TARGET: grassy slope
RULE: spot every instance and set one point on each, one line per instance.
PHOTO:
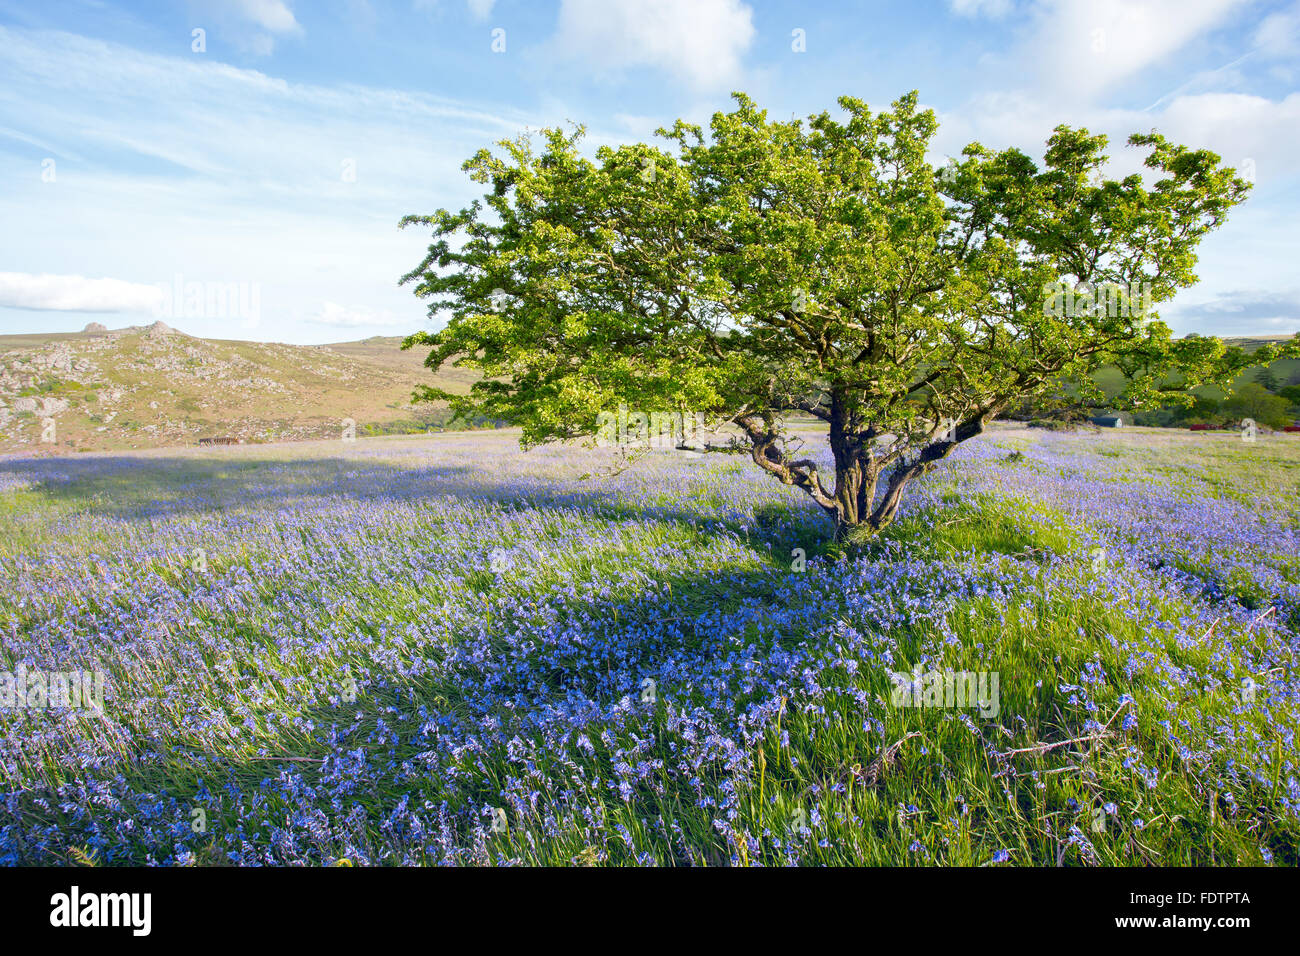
(144, 391)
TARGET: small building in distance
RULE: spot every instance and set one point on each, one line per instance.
(1109, 421)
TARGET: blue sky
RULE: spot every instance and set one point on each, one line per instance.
(274, 162)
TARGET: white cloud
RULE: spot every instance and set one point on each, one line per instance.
(1240, 127)
(342, 317)
(62, 293)
(699, 41)
(273, 15)
(1059, 71)
(993, 9)
(267, 19)
(1081, 48)
(1278, 35)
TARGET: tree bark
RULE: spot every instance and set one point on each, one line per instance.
(857, 476)
(855, 472)
(851, 504)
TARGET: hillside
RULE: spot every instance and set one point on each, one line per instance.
(1287, 370)
(145, 387)
(152, 386)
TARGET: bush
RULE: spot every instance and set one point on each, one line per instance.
(1254, 401)
(1156, 418)
(1203, 410)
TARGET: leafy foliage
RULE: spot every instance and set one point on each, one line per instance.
(822, 267)
(1255, 402)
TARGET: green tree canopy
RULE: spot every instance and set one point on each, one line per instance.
(1257, 403)
(822, 267)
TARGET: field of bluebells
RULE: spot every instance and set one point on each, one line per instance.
(443, 650)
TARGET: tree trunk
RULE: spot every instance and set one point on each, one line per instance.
(883, 515)
(852, 503)
(855, 474)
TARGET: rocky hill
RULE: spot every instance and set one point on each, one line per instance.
(145, 387)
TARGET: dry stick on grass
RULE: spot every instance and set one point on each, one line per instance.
(1045, 773)
(1259, 619)
(1042, 748)
(871, 774)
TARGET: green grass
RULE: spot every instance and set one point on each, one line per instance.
(920, 786)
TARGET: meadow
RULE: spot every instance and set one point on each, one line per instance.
(443, 650)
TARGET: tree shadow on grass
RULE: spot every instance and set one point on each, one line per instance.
(157, 486)
(535, 685)
(650, 635)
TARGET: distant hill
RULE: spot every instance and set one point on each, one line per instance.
(1249, 344)
(1286, 370)
(153, 386)
(145, 387)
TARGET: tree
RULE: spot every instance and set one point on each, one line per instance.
(1267, 378)
(1203, 408)
(1255, 402)
(822, 268)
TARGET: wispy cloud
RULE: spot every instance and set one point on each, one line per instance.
(700, 42)
(994, 9)
(253, 24)
(224, 174)
(1082, 48)
(1243, 311)
(342, 317)
(1278, 34)
(273, 15)
(204, 117)
(62, 293)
